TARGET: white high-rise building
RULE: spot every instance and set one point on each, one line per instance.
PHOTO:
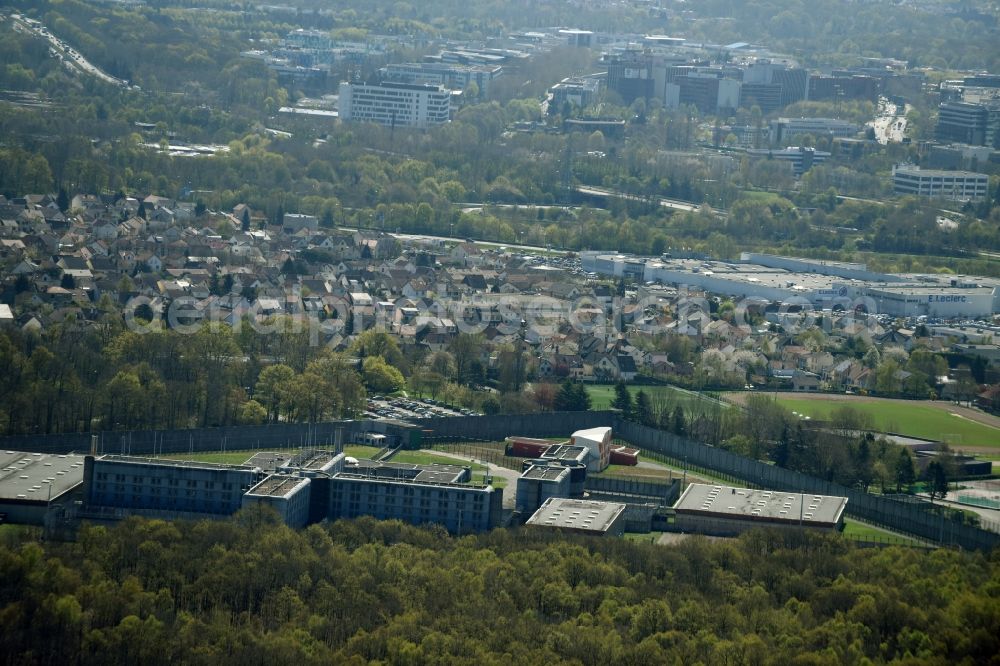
(395, 104)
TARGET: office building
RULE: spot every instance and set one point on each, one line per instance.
(446, 75)
(580, 517)
(848, 86)
(579, 91)
(965, 122)
(579, 38)
(800, 158)
(395, 104)
(725, 510)
(630, 74)
(767, 96)
(784, 130)
(707, 91)
(774, 84)
(955, 185)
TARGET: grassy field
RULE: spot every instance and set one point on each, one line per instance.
(240, 457)
(857, 530)
(601, 396)
(426, 458)
(914, 419)
(356, 451)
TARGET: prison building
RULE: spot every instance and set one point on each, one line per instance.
(169, 486)
(288, 495)
(461, 509)
(580, 517)
(726, 510)
(539, 483)
(32, 484)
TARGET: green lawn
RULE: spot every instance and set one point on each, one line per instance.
(914, 419)
(857, 530)
(240, 457)
(427, 458)
(226, 457)
(601, 396)
(360, 451)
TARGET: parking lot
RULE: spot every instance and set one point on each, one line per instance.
(380, 407)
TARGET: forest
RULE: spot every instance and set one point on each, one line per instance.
(249, 590)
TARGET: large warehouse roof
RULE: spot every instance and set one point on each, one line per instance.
(761, 505)
(574, 514)
(37, 477)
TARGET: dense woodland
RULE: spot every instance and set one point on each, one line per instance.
(251, 591)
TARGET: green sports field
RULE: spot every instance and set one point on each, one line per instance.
(915, 419)
(601, 396)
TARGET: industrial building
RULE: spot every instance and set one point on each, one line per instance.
(954, 185)
(395, 104)
(725, 510)
(580, 517)
(33, 484)
(813, 283)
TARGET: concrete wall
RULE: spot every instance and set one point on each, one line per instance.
(907, 518)
(321, 435)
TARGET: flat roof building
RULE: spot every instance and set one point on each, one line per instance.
(448, 75)
(954, 185)
(395, 104)
(785, 129)
(538, 483)
(801, 158)
(288, 495)
(726, 510)
(169, 487)
(461, 509)
(580, 516)
(32, 482)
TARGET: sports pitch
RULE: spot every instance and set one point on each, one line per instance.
(928, 420)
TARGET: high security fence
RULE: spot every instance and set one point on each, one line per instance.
(905, 518)
(318, 435)
(889, 513)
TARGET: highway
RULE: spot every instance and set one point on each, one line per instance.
(675, 204)
(73, 60)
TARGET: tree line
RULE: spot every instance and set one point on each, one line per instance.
(249, 590)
